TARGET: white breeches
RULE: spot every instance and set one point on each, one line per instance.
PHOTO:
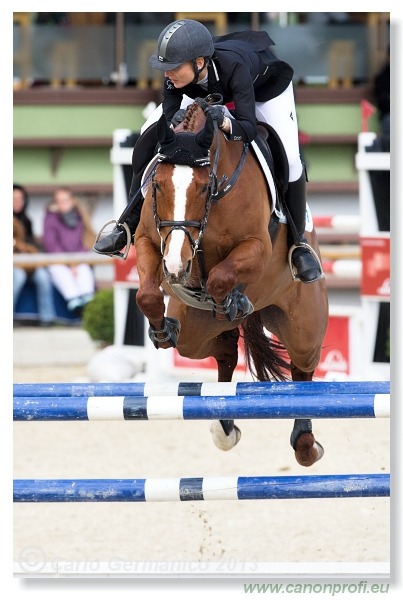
(279, 112)
(281, 115)
(73, 282)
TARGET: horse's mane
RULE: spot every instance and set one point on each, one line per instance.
(190, 117)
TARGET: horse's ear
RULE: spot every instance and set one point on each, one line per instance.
(205, 137)
(165, 134)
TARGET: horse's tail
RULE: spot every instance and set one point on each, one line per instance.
(264, 356)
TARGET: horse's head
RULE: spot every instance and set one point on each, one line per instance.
(181, 195)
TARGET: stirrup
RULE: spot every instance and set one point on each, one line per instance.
(294, 272)
(117, 254)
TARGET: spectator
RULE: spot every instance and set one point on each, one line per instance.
(67, 228)
(382, 96)
(24, 241)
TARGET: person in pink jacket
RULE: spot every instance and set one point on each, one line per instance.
(67, 228)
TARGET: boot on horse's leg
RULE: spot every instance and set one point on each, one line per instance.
(303, 259)
(122, 236)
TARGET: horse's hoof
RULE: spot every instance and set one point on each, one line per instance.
(223, 441)
(307, 450)
(168, 335)
(235, 306)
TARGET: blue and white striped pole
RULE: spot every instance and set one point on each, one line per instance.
(140, 408)
(201, 488)
(201, 388)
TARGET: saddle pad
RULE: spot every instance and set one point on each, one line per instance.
(269, 177)
(276, 208)
(146, 179)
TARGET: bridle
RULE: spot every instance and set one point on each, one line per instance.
(180, 225)
(216, 189)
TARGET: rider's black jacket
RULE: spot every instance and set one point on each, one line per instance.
(243, 70)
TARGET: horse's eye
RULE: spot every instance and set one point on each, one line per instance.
(156, 186)
(204, 188)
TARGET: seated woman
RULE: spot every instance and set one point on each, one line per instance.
(67, 228)
(24, 241)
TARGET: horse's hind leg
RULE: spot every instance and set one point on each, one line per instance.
(225, 433)
(307, 450)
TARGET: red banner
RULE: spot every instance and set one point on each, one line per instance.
(335, 357)
(375, 256)
(126, 270)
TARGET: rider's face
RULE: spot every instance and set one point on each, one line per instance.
(184, 74)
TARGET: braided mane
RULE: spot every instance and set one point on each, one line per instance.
(189, 122)
(190, 117)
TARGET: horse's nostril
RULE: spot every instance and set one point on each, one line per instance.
(176, 272)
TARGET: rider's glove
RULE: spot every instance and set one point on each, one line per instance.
(178, 117)
(217, 114)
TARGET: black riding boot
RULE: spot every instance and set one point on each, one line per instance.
(304, 260)
(115, 241)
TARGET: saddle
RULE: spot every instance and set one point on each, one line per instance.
(269, 151)
(271, 146)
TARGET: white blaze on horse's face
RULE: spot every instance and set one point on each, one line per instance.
(182, 178)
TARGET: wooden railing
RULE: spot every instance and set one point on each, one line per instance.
(44, 259)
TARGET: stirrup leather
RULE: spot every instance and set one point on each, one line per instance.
(125, 227)
(294, 273)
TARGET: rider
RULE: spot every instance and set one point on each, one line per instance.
(242, 68)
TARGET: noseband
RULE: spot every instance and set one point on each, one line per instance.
(180, 225)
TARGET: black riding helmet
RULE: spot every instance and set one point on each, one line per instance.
(180, 42)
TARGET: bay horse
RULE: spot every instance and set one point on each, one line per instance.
(203, 240)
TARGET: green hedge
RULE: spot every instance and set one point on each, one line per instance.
(98, 317)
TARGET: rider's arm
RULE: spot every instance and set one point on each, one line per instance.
(172, 99)
(243, 126)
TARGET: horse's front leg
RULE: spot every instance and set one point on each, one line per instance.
(163, 331)
(225, 433)
(243, 265)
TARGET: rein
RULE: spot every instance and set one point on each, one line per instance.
(215, 191)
